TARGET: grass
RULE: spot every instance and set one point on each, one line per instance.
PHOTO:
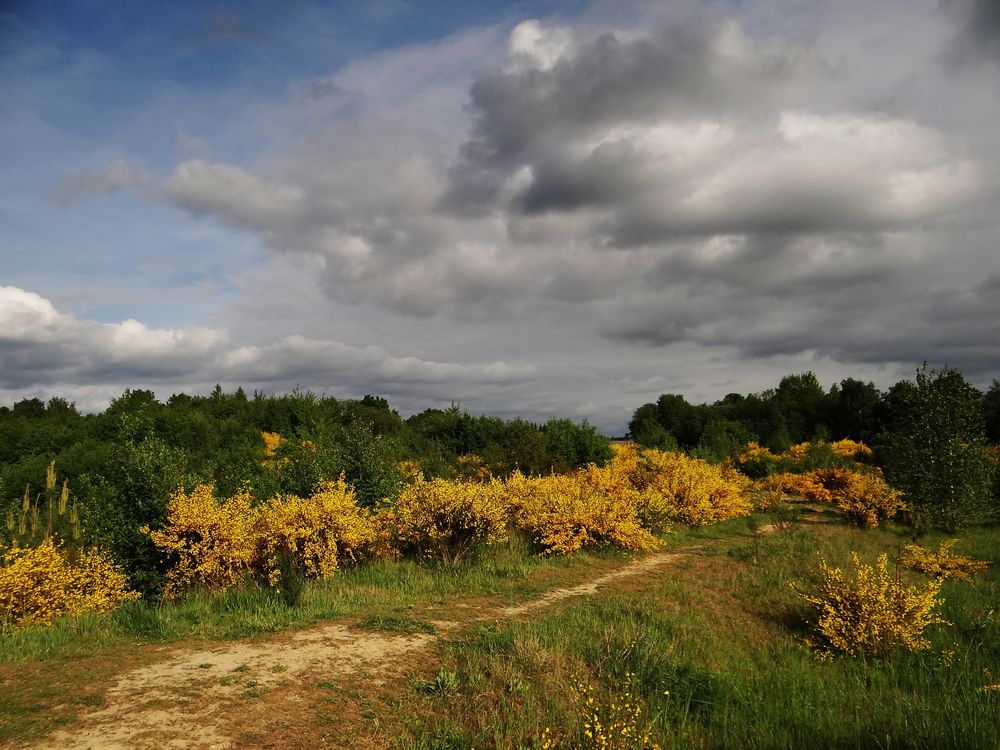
(716, 659)
(80, 655)
(712, 652)
(377, 590)
(397, 624)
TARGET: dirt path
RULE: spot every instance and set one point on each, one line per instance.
(187, 700)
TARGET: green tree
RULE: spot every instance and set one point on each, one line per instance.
(991, 412)
(934, 449)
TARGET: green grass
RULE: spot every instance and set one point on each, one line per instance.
(719, 662)
(378, 589)
(712, 646)
(397, 624)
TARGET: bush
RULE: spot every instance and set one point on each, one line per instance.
(38, 584)
(941, 564)
(447, 520)
(209, 543)
(565, 513)
(317, 535)
(673, 486)
(871, 614)
(865, 499)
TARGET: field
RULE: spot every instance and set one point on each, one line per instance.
(701, 644)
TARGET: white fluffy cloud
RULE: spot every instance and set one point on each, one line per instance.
(41, 345)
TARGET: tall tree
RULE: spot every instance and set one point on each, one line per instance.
(934, 448)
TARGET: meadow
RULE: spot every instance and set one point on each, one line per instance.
(717, 649)
(354, 592)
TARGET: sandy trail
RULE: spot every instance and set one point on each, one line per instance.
(182, 701)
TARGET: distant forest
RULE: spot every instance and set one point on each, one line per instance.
(799, 409)
(124, 463)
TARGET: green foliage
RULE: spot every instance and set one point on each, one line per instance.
(991, 412)
(934, 449)
(576, 444)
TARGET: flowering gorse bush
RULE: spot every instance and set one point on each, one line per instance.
(216, 543)
(758, 462)
(872, 613)
(851, 449)
(446, 520)
(319, 534)
(38, 584)
(211, 543)
(866, 499)
(565, 513)
(676, 487)
(942, 563)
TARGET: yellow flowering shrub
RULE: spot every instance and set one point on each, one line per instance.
(564, 513)
(97, 583)
(767, 492)
(676, 487)
(866, 499)
(796, 452)
(943, 563)
(756, 452)
(851, 449)
(319, 533)
(614, 722)
(472, 468)
(211, 543)
(446, 520)
(872, 613)
(809, 485)
(38, 584)
(410, 469)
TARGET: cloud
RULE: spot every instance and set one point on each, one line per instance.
(235, 195)
(774, 188)
(117, 176)
(979, 35)
(40, 345)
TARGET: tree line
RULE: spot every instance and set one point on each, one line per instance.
(935, 436)
(123, 464)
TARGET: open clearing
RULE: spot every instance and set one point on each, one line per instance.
(255, 692)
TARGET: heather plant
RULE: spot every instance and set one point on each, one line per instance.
(871, 613)
(942, 563)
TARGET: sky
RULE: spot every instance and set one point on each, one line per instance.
(536, 208)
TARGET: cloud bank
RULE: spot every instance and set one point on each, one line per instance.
(573, 214)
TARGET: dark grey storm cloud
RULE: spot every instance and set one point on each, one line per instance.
(980, 32)
(524, 112)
